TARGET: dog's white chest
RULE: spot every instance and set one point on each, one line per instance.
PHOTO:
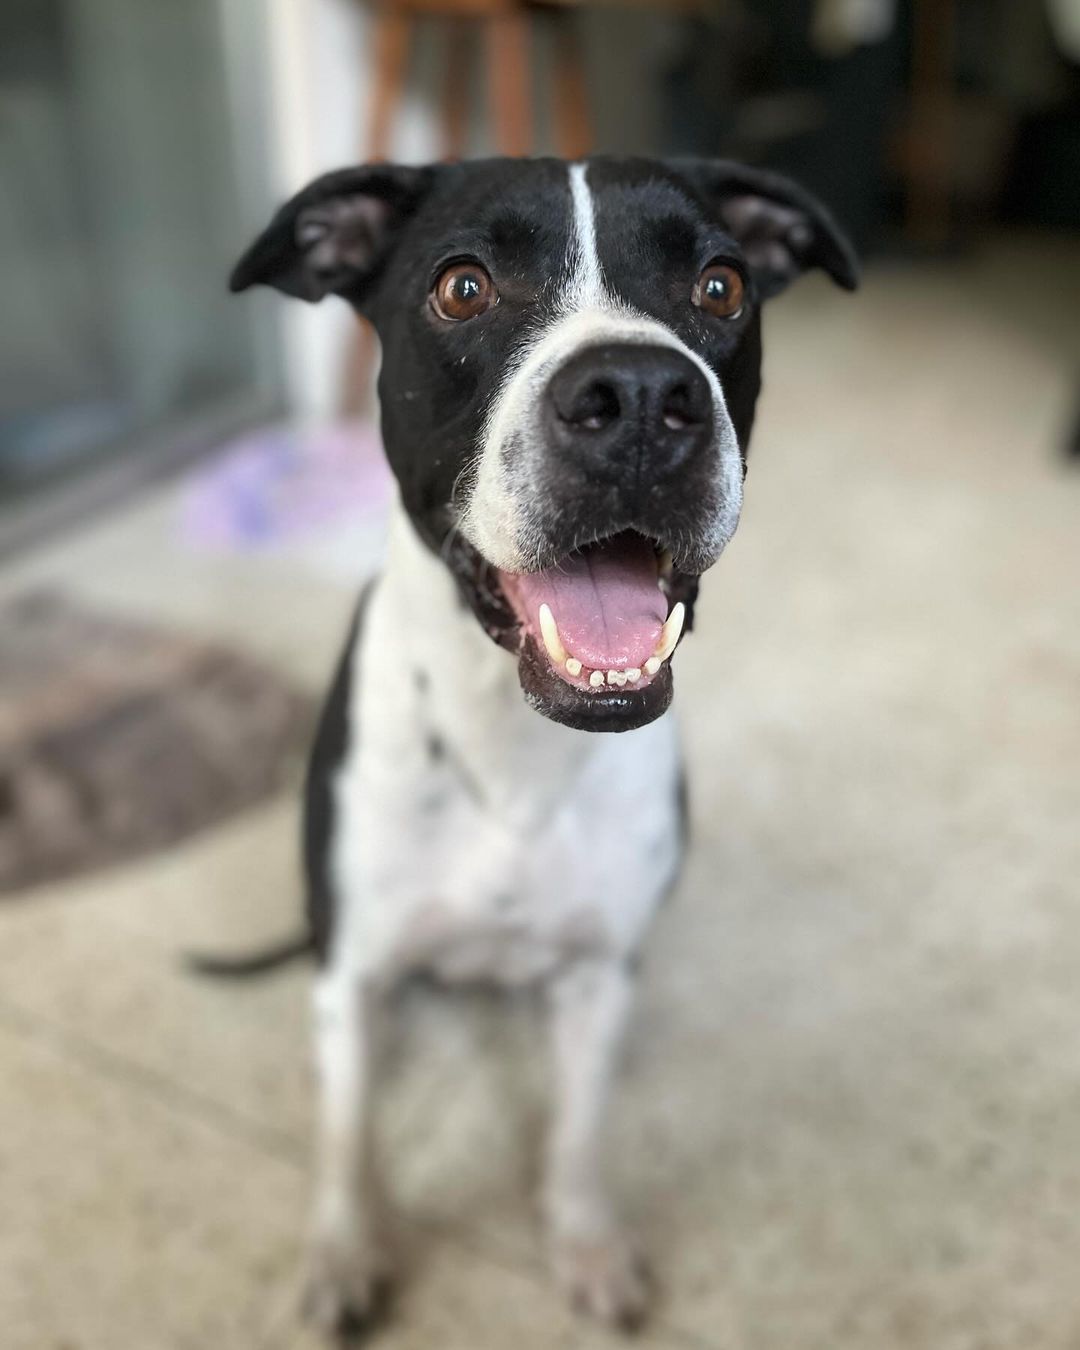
(451, 882)
(473, 838)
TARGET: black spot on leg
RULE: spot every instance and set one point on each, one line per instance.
(355, 1326)
(682, 803)
(441, 751)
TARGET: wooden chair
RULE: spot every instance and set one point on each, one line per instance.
(506, 27)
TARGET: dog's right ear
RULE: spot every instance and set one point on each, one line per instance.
(335, 235)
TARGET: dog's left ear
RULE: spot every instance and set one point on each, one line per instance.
(335, 235)
(780, 227)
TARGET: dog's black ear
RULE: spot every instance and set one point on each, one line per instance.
(782, 229)
(333, 237)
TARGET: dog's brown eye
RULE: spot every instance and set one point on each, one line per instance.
(719, 291)
(463, 291)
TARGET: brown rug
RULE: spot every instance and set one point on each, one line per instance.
(118, 738)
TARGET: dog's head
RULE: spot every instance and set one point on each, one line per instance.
(571, 359)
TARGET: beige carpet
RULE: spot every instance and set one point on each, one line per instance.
(850, 1118)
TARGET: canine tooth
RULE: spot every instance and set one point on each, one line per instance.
(596, 679)
(633, 674)
(652, 665)
(616, 677)
(573, 666)
(669, 634)
(549, 631)
(667, 563)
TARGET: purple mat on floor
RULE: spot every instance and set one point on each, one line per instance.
(285, 484)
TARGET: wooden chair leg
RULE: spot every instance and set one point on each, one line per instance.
(509, 82)
(391, 41)
(357, 379)
(931, 128)
(573, 125)
(456, 87)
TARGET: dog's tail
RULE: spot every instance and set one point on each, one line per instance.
(246, 964)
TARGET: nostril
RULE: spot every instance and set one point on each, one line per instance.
(679, 410)
(629, 402)
(595, 407)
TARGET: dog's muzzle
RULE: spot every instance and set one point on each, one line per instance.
(630, 485)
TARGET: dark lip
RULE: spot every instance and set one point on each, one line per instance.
(604, 710)
(618, 709)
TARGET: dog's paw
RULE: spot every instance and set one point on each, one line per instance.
(606, 1277)
(346, 1288)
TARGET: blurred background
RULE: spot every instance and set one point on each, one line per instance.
(851, 1104)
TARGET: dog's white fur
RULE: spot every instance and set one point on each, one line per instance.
(498, 514)
(521, 851)
(478, 840)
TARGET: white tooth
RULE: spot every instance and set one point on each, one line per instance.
(616, 677)
(573, 666)
(652, 665)
(666, 563)
(669, 634)
(633, 674)
(550, 633)
(596, 679)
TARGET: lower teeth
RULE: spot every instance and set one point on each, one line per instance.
(597, 678)
(669, 637)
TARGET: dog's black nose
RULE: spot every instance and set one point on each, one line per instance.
(629, 409)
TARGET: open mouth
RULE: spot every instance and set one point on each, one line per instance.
(602, 614)
(594, 632)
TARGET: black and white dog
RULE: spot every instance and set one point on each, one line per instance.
(571, 360)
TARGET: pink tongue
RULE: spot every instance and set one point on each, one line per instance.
(606, 601)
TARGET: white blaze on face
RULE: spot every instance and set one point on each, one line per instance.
(586, 288)
(497, 505)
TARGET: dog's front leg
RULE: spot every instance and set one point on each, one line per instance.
(349, 1265)
(592, 1258)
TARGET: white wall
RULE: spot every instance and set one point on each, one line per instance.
(319, 89)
